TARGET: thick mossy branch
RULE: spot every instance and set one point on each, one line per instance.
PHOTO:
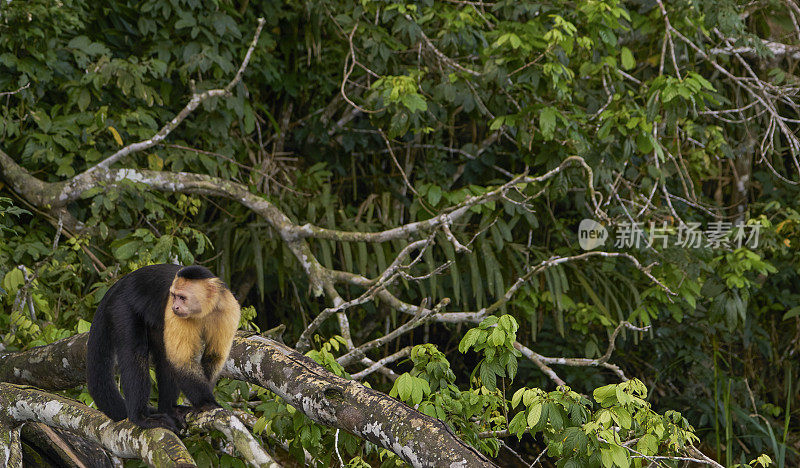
(57, 366)
(330, 400)
(10, 446)
(323, 397)
(158, 447)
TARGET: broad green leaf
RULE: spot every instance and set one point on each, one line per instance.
(13, 280)
(534, 414)
(434, 195)
(605, 393)
(547, 122)
(127, 250)
(628, 61)
(622, 416)
(83, 326)
(517, 398)
(620, 456)
(512, 366)
(517, 425)
(498, 337)
(647, 444)
(488, 377)
(470, 338)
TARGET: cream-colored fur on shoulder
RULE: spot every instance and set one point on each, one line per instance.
(211, 333)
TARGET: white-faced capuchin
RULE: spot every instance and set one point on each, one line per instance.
(184, 319)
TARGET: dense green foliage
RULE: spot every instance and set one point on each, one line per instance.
(457, 97)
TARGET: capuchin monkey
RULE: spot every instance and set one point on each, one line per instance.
(184, 319)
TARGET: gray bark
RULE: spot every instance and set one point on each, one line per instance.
(420, 440)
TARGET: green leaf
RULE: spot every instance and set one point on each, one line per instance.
(606, 456)
(414, 102)
(488, 322)
(260, 425)
(470, 338)
(512, 366)
(703, 82)
(528, 397)
(434, 195)
(622, 397)
(534, 414)
(127, 250)
(496, 123)
(555, 416)
(508, 323)
(83, 44)
(763, 460)
(647, 444)
(605, 395)
(84, 99)
(498, 337)
(628, 61)
(575, 441)
(517, 425)
(13, 280)
(547, 122)
(488, 377)
(620, 456)
(792, 313)
(42, 120)
(669, 92)
(249, 119)
(416, 394)
(186, 21)
(83, 326)
(404, 386)
(515, 400)
(622, 416)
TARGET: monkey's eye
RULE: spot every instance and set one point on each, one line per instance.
(183, 298)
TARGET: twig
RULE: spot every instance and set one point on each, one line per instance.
(536, 358)
(193, 103)
(8, 93)
(422, 316)
(454, 212)
(400, 168)
(382, 363)
(386, 278)
(346, 72)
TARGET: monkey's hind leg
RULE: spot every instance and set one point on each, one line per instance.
(100, 371)
(135, 380)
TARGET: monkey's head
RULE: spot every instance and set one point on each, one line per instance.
(194, 292)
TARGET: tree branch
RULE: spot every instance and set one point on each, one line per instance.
(323, 397)
(162, 134)
(236, 432)
(158, 447)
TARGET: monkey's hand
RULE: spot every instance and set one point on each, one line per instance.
(182, 410)
(180, 413)
(208, 406)
(162, 420)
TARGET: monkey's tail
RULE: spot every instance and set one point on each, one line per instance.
(100, 352)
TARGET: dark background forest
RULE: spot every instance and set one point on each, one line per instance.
(420, 170)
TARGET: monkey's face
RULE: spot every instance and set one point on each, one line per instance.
(186, 300)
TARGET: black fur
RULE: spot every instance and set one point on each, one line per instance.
(129, 326)
(195, 272)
